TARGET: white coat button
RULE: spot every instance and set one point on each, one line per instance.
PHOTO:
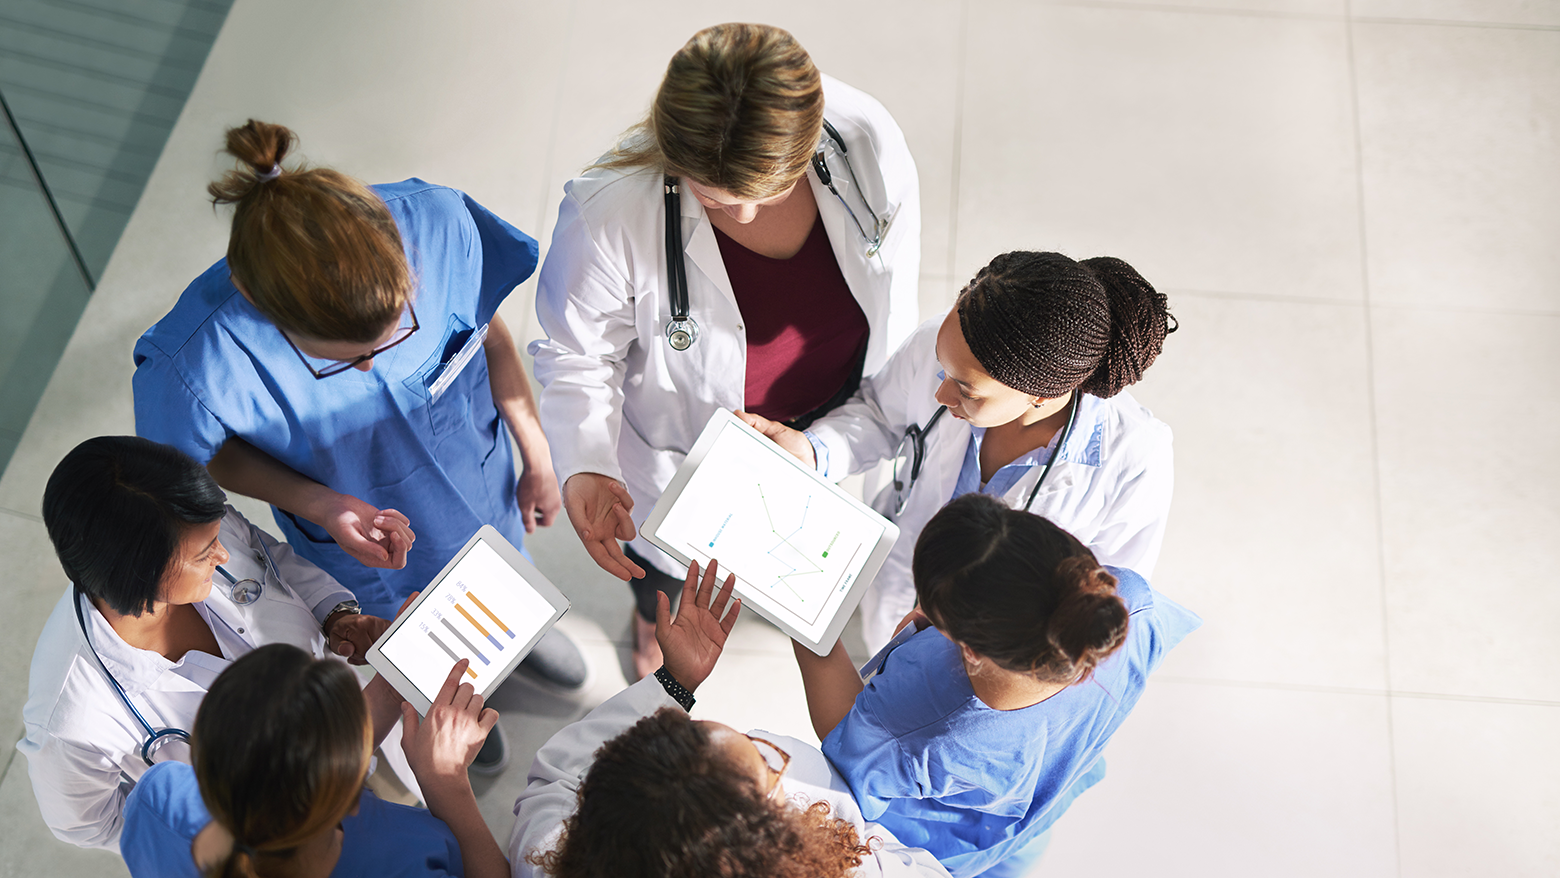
(739, 327)
(240, 631)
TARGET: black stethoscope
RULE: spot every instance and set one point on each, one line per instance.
(682, 330)
(241, 591)
(913, 446)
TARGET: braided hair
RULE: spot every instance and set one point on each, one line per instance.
(1047, 325)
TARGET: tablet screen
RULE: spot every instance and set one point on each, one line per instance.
(482, 609)
(795, 545)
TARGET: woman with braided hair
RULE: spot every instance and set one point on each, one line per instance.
(1027, 648)
(1018, 393)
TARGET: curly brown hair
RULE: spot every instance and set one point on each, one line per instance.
(660, 801)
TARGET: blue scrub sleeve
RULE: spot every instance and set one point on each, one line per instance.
(167, 411)
(509, 256)
(872, 761)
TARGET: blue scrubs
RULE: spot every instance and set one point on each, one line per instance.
(943, 771)
(382, 840)
(215, 368)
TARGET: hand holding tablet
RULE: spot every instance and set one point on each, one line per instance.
(489, 605)
(803, 551)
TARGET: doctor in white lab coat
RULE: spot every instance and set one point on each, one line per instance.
(620, 404)
(1065, 338)
(83, 744)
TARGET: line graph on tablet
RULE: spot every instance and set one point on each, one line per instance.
(789, 541)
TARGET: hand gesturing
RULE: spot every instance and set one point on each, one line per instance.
(693, 642)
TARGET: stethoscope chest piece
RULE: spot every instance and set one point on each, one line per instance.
(242, 591)
(681, 333)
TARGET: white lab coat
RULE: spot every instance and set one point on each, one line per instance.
(616, 399)
(83, 745)
(1110, 487)
(562, 763)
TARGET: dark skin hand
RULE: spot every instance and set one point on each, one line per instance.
(351, 635)
(692, 642)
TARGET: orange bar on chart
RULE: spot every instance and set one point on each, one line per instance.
(496, 621)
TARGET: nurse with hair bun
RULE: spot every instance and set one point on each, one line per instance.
(1018, 392)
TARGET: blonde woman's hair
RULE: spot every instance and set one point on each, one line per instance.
(740, 109)
(316, 250)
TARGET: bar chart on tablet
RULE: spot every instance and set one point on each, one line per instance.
(480, 611)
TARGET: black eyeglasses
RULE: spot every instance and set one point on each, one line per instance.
(401, 334)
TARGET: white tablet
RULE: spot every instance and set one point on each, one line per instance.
(803, 550)
(489, 605)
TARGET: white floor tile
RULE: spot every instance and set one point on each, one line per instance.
(1213, 152)
(1542, 13)
(30, 849)
(1215, 780)
(1476, 788)
(35, 583)
(1272, 533)
(1462, 190)
(1469, 480)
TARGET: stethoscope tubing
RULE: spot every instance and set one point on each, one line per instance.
(682, 330)
(153, 736)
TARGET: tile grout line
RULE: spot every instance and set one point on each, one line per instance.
(1231, 12)
(552, 136)
(1235, 295)
(20, 514)
(1350, 690)
(962, 59)
(1375, 432)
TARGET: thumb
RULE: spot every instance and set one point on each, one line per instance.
(344, 648)
(409, 723)
(663, 614)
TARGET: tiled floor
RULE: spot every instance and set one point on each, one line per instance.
(1355, 217)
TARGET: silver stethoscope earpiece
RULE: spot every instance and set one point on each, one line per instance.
(682, 330)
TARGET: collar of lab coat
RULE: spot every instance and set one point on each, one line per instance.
(138, 670)
(703, 251)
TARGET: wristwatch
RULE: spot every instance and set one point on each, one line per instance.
(351, 607)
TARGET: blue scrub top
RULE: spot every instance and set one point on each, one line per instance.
(941, 770)
(215, 368)
(165, 811)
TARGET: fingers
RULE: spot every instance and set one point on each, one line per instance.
(723, 596)
(609, 557)
(663, 617)
(409, 725)
(526, 519)
(451, 683)
(689, 596)
(624, 524)
(344, 648)
(705, 594)
(399, 546)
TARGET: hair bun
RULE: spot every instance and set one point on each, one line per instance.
(1091, 621)
(261, 146)
(1139, 321)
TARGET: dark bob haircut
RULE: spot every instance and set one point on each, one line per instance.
(117, 508)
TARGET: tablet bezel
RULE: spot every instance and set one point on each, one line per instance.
(528, 572)
(718, 423)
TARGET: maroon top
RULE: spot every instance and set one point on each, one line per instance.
(804, 328)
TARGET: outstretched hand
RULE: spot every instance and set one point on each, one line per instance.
(692, 643)
(598, 507)
(376, 537)
(783, 436)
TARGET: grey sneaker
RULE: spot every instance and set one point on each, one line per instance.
(494, 755)
(556, 664)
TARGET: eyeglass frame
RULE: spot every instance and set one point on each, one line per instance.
(340, 366)
(785, 762)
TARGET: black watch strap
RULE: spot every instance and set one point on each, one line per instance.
(679, 693)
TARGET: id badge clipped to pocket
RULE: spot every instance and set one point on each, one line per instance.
(457, 363)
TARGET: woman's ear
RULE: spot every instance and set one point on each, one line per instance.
(972, 659)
